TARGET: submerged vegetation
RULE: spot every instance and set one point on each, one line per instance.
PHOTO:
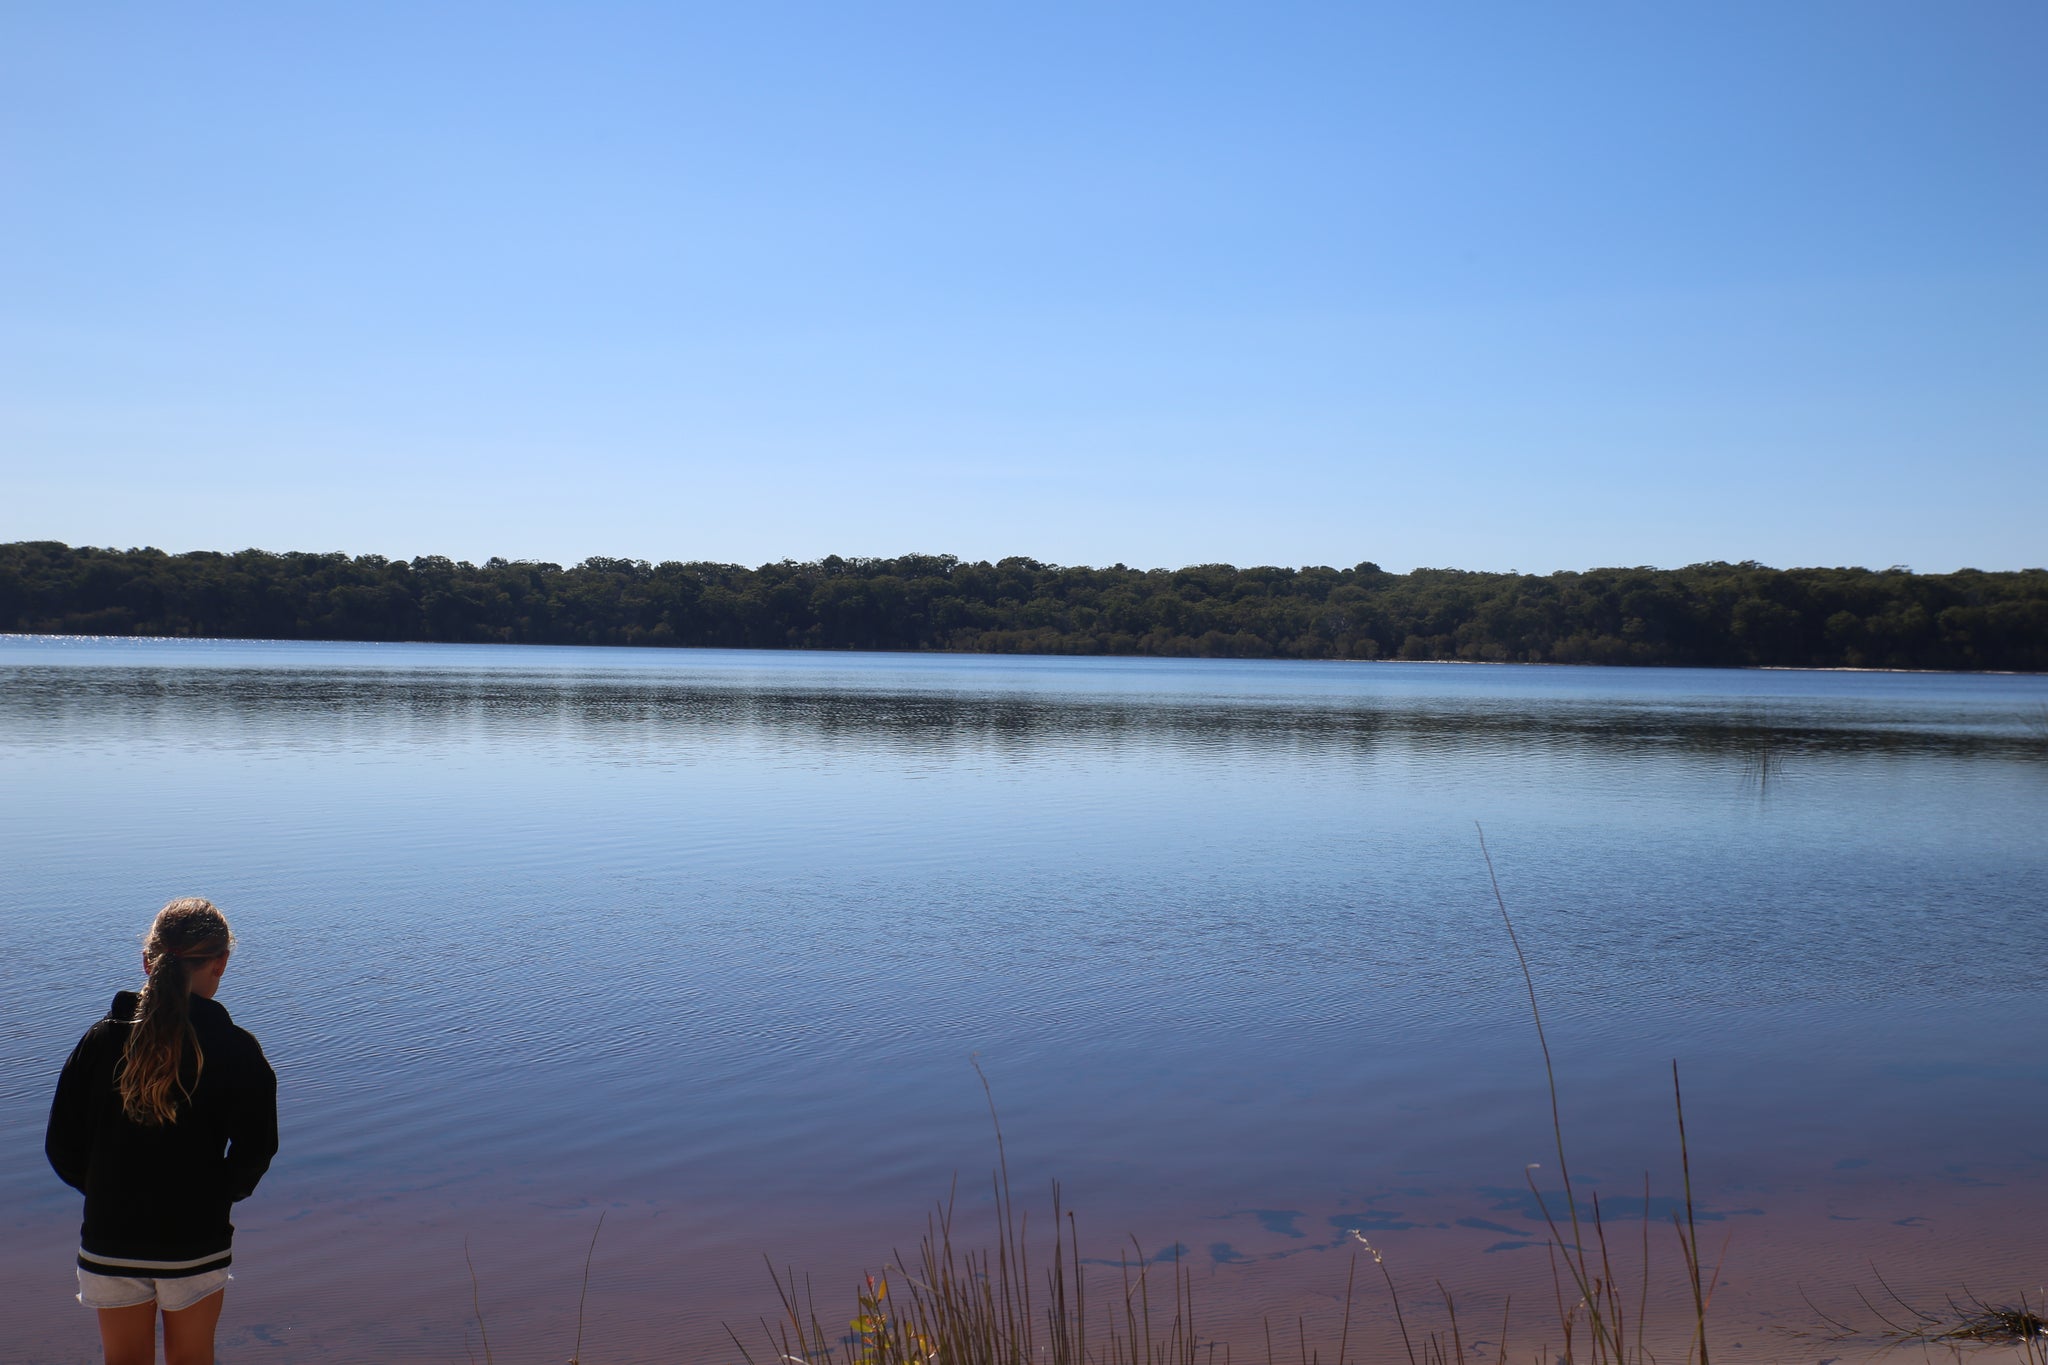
(1711, 615)
(1959, 1320)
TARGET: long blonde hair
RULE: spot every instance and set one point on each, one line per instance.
(187, 932)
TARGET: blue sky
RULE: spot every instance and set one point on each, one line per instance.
(1489, 286)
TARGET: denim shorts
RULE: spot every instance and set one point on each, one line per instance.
(172, 1295)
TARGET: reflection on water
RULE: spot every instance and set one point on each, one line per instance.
(270, 708)
(2034, 724)
(707, 939)
(1763, 762)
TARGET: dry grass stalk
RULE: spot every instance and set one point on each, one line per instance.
(1598, 1296)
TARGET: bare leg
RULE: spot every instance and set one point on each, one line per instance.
(128, 1335)
(188, 1333)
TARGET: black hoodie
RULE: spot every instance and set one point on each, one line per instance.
(157, 1195)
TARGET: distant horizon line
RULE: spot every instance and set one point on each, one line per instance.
(952, 559)
(299, 642)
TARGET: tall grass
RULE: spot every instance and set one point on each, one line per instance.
(966, 1307)
(1600, 1305)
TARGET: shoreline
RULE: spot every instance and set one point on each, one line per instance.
(101, 638)
(1711, 614)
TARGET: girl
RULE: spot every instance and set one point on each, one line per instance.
(165, 1114)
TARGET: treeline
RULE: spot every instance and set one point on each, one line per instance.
(1713, 614)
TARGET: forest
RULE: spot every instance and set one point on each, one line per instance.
(1712, 614)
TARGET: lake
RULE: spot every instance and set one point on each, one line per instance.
(711, 942)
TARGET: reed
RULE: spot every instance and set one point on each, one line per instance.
(1599, 1305)
(986, 1307)
(476, 1301)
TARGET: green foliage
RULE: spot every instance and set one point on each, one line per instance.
(1715, 615)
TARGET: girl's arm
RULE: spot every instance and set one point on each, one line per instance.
(68, 1140)
(252, 1138)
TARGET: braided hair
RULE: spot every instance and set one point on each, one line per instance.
(186, 933)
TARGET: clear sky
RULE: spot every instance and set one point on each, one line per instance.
(1498, 286)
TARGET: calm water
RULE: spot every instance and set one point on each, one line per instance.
(708, 941)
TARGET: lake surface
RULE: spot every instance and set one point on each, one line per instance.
(710, 942)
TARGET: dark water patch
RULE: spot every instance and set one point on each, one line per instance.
(1532, 1206)
(1484, 1226)
(1137, 1260)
